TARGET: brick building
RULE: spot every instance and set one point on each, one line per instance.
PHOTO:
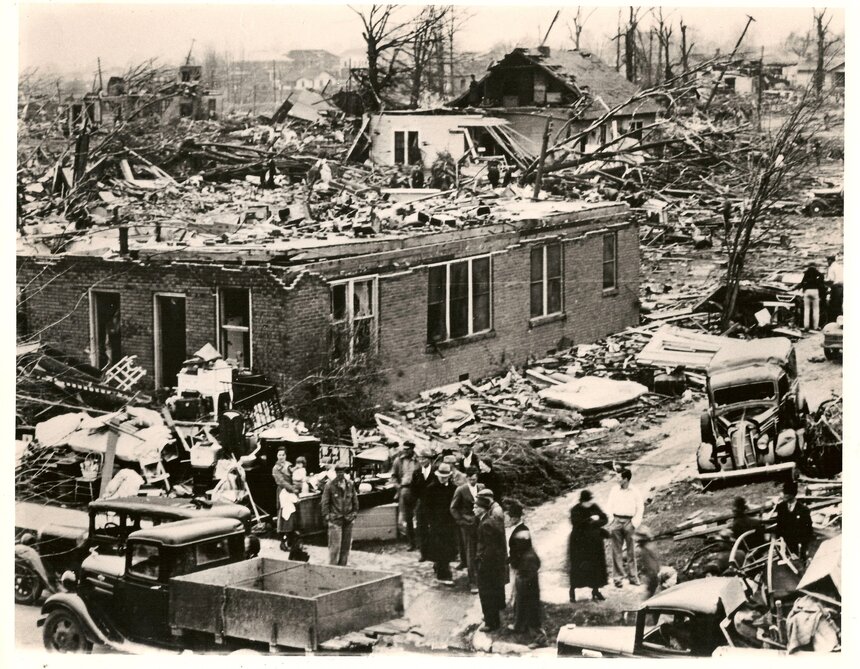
(438, 306)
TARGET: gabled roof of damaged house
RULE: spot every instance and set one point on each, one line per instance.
(580, 72)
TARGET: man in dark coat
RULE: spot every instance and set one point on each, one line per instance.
(462, 510)
(525, 563)
(586, 558)
(793, 522)
(443, 532)
(421, 478)
(492, 559)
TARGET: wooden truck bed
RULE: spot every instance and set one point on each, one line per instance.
(283, 603)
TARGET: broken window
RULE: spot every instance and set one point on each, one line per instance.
(545, 280)
(602, 135)
(636, 129)
(235, 326)
(610, 261)
(353, 317)
(406, 149)
(458, 299)
(105, 329)
(22, 329)
(186, 109)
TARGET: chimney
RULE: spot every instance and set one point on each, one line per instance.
(543, 51)
(123, 233)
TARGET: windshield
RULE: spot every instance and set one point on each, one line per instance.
(750, 392)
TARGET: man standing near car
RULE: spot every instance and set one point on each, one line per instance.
(625, 509)
(793, 522)
(833, 279)
(339, 509)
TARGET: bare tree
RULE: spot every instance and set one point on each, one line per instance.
(578, 24)
(664, 35)
(685, 49)
(774, 162)
(822, 48)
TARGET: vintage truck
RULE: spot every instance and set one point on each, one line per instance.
(832, 344)
(43, 556)
(186, 585)
(683, 621)
(756, 416)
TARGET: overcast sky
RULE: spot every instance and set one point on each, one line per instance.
(64, 37)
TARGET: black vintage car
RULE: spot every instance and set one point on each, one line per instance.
(122, 599)
(40, 560)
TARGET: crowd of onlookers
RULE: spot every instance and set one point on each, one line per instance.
(451, 508)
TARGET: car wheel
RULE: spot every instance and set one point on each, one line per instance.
(831, 354)
(816, 209)
(63, 633)
(28, 585)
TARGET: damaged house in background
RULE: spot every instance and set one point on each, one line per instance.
(573, 88)
(420, 136)
(448, 292)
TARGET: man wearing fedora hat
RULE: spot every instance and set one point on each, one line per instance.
(491, 559)
(339, 509)
(442, 540)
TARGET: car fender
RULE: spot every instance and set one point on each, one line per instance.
(72, 602)
(30, 557)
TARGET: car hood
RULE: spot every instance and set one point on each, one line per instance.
(609, 639)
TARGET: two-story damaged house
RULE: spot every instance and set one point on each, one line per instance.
(440, 302)
(528, 86)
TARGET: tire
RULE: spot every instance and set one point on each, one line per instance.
(28, 585)
(64, 633)
(817, 209)
(832, 354)
(707, 429)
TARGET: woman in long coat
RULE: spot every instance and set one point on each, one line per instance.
(586, 557)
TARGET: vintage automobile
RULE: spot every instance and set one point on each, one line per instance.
(824, 202)
(833, 339)
(187, 585)
(683, 621)
(756, 416)
(41, 559)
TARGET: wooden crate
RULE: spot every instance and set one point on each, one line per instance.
(283, 603)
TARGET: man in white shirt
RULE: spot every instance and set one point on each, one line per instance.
(625, 509)
(833, 279)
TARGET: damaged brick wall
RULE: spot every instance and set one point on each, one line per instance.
(290, 316)
(589, 314)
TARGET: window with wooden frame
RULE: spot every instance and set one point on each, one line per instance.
(545, 282)
(610, 261)
(406, 150)
(234, 315)
(459, 299)
(353, 316)
(636, 129)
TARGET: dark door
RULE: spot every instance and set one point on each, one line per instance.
(107, 330)
(142, 597)
(170, 337)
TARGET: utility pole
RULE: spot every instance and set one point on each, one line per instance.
(101, 85)
(760, 92)
(750, 19)
(543, 148)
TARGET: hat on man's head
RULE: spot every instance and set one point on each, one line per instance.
(790, 488)
(443, 471)
(341, 467)
(409, 444)
(484, 498)
(643, 534)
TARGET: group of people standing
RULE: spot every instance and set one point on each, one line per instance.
(821, 294)
(451, 508)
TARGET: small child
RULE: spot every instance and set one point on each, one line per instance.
(300, 474)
